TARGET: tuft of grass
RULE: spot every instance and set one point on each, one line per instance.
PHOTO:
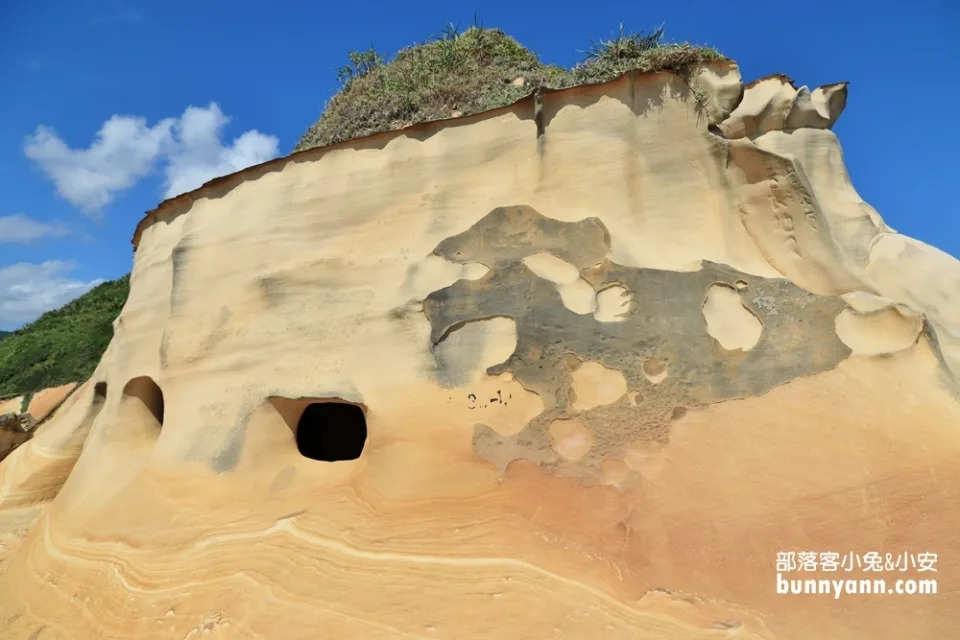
(361, 63)
(64, 345)
(608, 59)
(25, 402)
(459, 73)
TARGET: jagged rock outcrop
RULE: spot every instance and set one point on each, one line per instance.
(22, 422)
(15, 429)
(577, 367)
(775, 104)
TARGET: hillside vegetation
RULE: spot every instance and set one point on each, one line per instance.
(64, 345)
(479, 69)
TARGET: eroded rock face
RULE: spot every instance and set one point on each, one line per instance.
(579, 367)
(661, 323)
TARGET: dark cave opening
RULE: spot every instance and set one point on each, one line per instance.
(332, 431)
(146, 391)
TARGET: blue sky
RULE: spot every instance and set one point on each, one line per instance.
(110, 105)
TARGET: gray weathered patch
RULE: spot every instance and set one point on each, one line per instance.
(178, 258)
(226, 458)
(509, 234)
(663, 324)
(273, 289)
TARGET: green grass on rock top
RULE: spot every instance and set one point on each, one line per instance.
(459, 74)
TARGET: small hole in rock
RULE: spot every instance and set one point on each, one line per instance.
(332, 431)
(100, 391)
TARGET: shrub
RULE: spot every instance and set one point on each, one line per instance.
(608, 59)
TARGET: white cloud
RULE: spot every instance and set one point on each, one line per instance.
(20, 228)
(126, 150)
(199, 156)
(27, 290)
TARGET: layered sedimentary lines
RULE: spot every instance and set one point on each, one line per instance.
(582, 371)
(786, 332)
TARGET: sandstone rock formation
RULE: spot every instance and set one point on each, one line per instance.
(16, 427)
(578, 367)
(45, 401)
(11, 405)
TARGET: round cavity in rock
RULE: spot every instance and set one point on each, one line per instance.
(570, 438)
(728, 321)
(613, 304)
(147, 395)
(879, 332)
(578, 296)
(473, 271)
(576, 293)
(741, 284)
(550, 267)
(140, 417)
(655, 370)
(678, 412)
(332, 431)
(596, 385)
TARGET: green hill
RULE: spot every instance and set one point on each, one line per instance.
(64, 345)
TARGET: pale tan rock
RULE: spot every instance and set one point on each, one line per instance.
(576, 293)
(655, 370)
(924, 278)
(774, 103)
(19, 425)
(11, 405)
(389, 277)
(719, 89)
(818, 109)
(35, 472)
(878, 332)
(43, 402)
(571, 439)
(613, 304)
(730, 323)
(595, 385)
